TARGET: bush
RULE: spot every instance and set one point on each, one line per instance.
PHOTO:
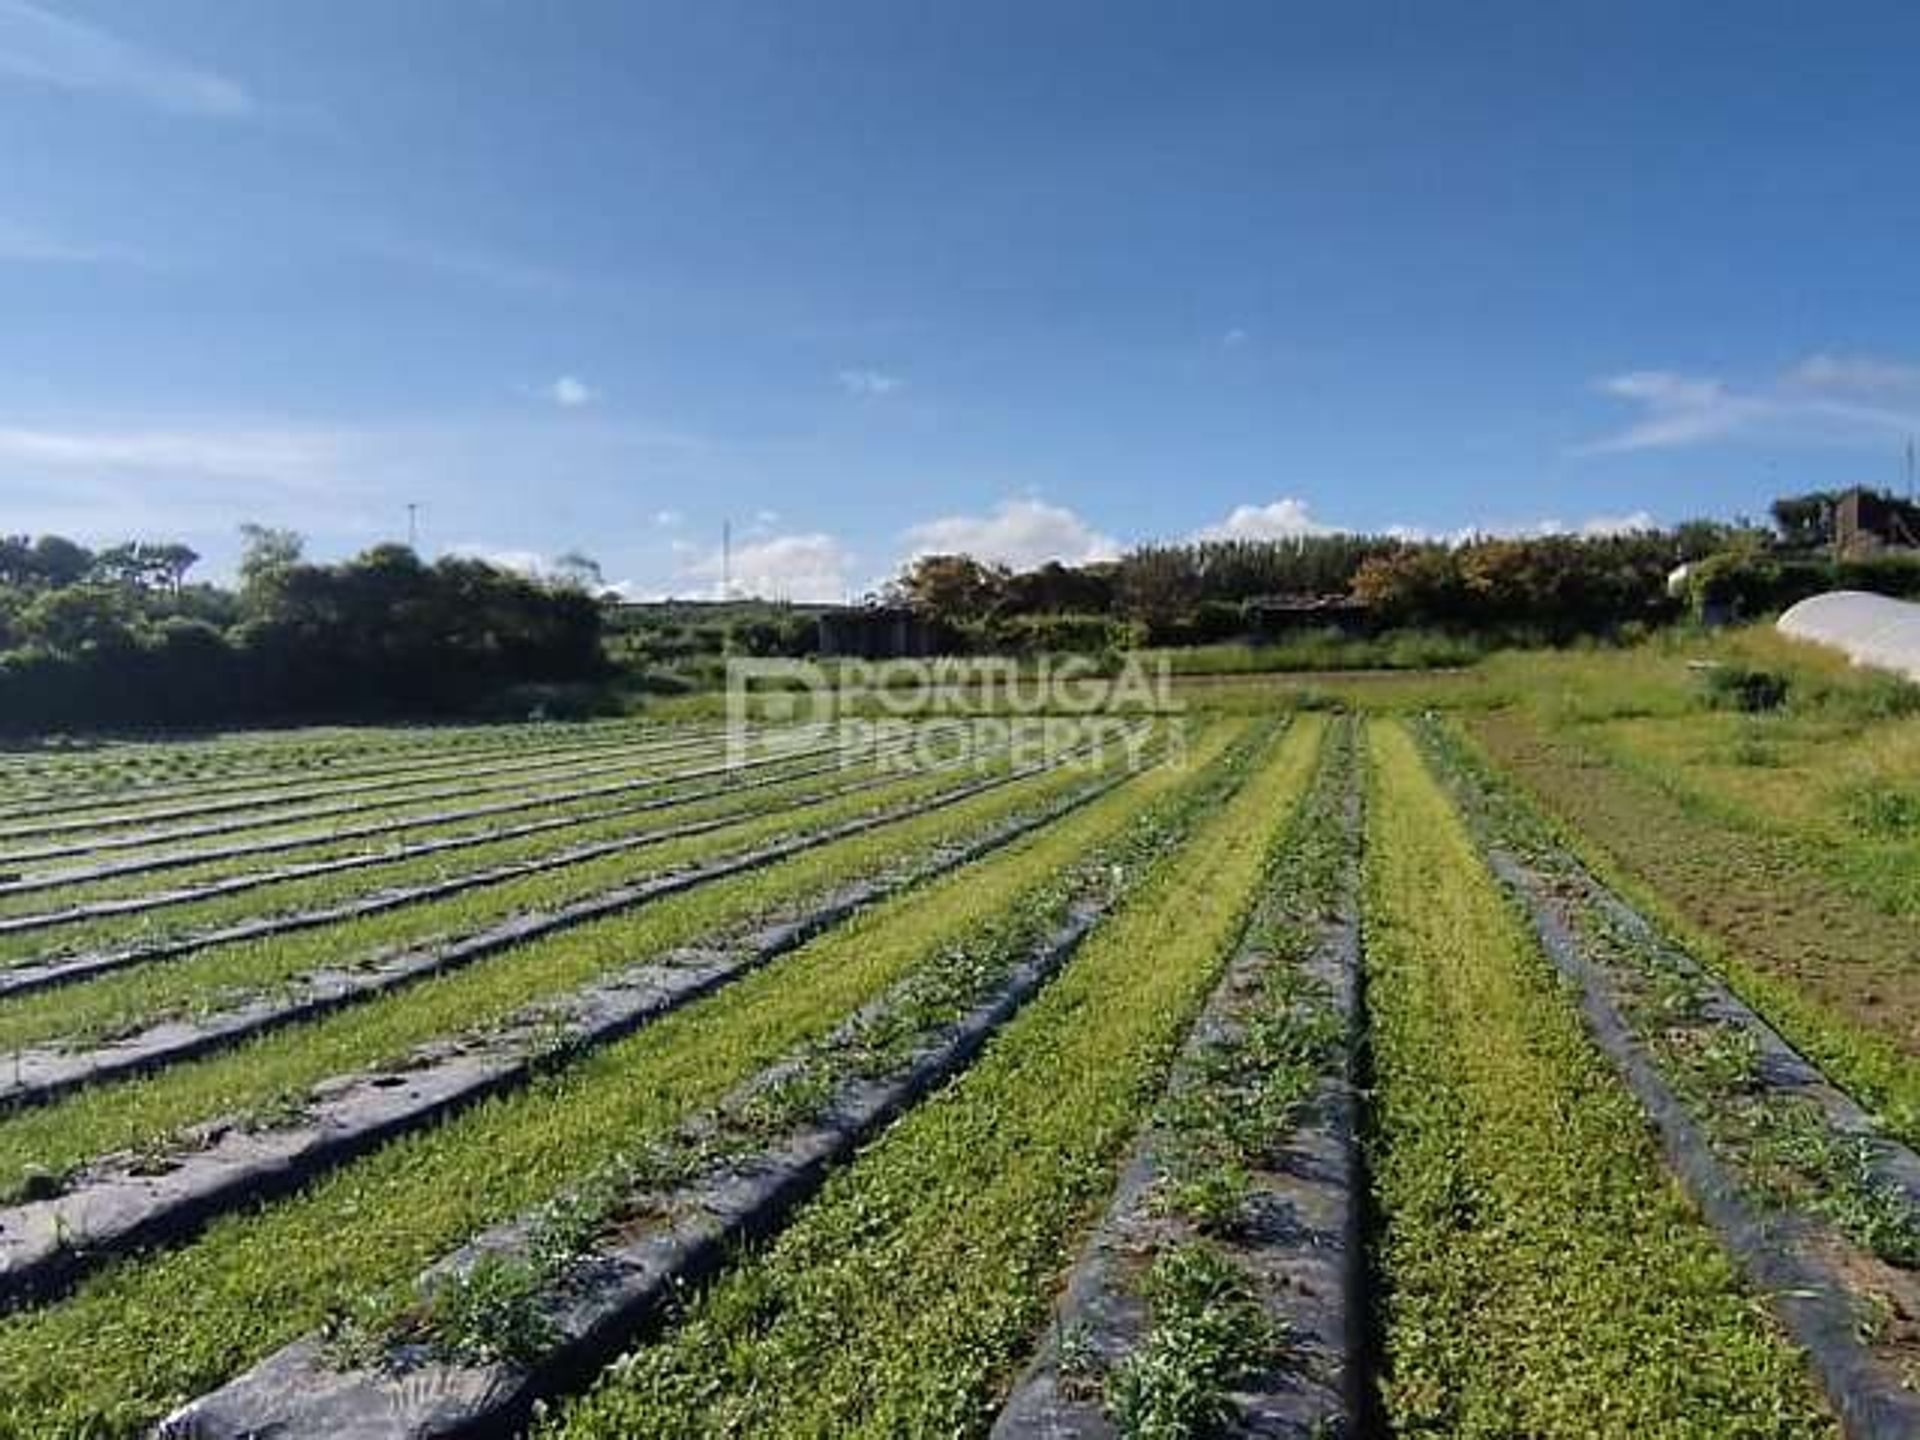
(1735, 687)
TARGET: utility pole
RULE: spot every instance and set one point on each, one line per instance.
(413, 526)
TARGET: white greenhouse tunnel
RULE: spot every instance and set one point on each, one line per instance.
(1870, 629)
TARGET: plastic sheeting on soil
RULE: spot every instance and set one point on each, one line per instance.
(1871, 629)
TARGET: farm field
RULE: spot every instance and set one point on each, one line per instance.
(1529, 1049)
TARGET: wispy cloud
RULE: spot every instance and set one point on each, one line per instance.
(1824, 400)
(192, 482)
(43, 48)
(1858, 373)
(26, 245)
(1020, 533)
(570, 392)
(472, 267)
(238, 452)
(869, 383)
(1235, 337)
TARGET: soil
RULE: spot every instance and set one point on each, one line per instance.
(1754, 892)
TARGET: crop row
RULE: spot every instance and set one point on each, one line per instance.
(526, 1304)
(263, 1279)
(50, 1070)
(264, 1076)
(124, 772)
(1819, 1207)
(116, 1203)
(116, 998)
(351, 888)
(1541, 1275)
(207, 894)
(288, 790)
(896, 1302)
(359, 819)
(1220, 1293)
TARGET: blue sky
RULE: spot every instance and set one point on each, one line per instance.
(1033, 278)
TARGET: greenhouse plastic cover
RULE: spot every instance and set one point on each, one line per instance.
(1871, 629)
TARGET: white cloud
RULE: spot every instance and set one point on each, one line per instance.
(1824, 400)
(570, 392)
(1594, 527)
(668, 519)
(1632, 523)
(39, 46)
(1235, 336)
(1020, 533)
(809, 567)
(869, 383)
(530, 563)
(1284, 519)
(1290, 518)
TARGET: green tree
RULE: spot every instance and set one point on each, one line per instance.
(79, 620)
(267, 553)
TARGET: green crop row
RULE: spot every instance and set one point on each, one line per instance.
(126, 1347)
(63, 816)
(265, 1076)
(1543, 1275)
(380, 863)
(219, 976)
(165, 854)
(462, 1316)
(1234, 1100)
(1779, 1142)
(902, 1298)
(122, 769)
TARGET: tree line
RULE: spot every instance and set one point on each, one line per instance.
(1549, 588)
(119, 639)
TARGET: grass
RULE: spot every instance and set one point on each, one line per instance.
(1543, 1274)
(1326, 650)
(127, 1346)
(1833, 975)
(900, 1301)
